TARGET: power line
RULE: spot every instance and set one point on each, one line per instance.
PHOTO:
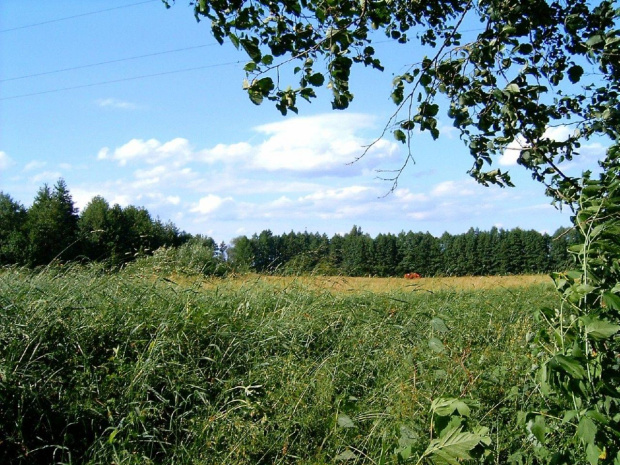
(73, 68)
(94, 84)
(76, 16)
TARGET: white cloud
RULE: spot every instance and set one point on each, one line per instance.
(316, 145)
(49, 177)
(225, 153)
(512, 152)
(151, 151)
(115, 103)
(344, 193)
(5, 161)
(34, 165)
(454, 188)
(323, 144)
(210, 204)
(559, 133)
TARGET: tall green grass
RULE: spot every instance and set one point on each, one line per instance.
(130, 367)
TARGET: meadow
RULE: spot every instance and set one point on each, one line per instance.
(143, 366)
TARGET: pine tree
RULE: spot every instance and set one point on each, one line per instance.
(52, 225)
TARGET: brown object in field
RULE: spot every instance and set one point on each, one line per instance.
(412, 276)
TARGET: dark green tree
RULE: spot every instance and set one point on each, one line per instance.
(96, 230)
(241, 254)
(357, 253)
(52, 225)
(386, 257)
(12, 231)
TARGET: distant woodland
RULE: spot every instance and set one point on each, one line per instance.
(52, 229)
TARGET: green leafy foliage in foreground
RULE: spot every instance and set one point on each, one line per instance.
(128, 367)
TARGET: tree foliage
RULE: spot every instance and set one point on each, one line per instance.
(525, 67)
(53, 230)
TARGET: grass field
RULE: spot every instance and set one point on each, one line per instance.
(136, 367)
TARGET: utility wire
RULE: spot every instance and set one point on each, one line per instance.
(73, 68)
(134, 78)
(76, 16)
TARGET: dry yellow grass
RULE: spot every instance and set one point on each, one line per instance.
(379, 285)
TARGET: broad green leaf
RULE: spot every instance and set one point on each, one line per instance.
(599, 329)
(513, 88)
(586, 430)
(344, 421)
(593, 453)
(400, 136)
(594, 40)
(345, 456)
(255, 97)
(316, 79)
(569, 365)
(251, 48)
(575, 73)
(452, 448)
(444, 407)
(436, 345)
(462, 408)
(538, 428)
(438, 325)
(234, 40)
(611, 300)
(405, 442)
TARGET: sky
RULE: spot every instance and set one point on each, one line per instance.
(137, 103)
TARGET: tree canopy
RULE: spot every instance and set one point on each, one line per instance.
(530, 66)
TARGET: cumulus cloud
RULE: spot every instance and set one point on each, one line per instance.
(324, 144)
(314, 145)
(210, 204)
(5, 161)
(455, 188)
(559, 133)
(149, 151)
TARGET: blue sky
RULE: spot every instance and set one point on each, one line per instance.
(172, 130)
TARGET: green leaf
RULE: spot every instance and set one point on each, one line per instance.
(251, 48)
(586, 430)
(599, 329)
(436, 345)
(405, 442)
(255, 97)
(569, 365)
(316, 79)
(438, 325)
(575, 73)
(538, 428)
(611, 300)
(444, 407)
(593, 453)
(594, 40)
(400, 136)
(345, 456)
(234, 40)
(513, 88)
(452, 448)
(344, 421)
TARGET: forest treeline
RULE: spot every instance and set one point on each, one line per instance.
(53, 229)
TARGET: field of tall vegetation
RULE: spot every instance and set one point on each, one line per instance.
(141, 366)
